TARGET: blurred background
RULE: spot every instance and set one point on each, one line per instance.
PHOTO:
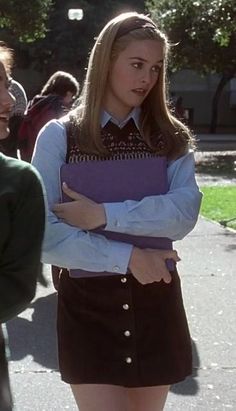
(202, 33)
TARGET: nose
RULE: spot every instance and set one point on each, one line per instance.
(146, 77)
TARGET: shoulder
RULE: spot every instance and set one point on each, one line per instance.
(16, 87)
(18, 173)
(51, 140)
(183, 166)
(186, 157)
(53, 131)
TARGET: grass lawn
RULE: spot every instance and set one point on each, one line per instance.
(219, 203)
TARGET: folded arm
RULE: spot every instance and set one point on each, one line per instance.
(64, 245)
(171, 215)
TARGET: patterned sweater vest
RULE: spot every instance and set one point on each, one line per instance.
(122, 144)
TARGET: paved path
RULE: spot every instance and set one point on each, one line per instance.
(208, 273)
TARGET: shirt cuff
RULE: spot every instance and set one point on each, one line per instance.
(119, 256)
(113, 216)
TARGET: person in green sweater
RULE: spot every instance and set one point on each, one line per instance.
(22, 218)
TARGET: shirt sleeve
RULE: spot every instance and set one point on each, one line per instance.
(64, 245)
(171, 215)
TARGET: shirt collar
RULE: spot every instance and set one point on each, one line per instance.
(134, 114)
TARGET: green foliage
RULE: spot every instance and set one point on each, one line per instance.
(63, 44)
(68, 42)
(203, 30)
(219, 203)
(25, 19)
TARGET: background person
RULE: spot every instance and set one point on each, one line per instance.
(22, 218)
(54, 100)
(9, 145)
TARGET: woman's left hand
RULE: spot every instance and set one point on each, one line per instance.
(82, 212)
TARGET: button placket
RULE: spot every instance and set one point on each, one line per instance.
(127, 324)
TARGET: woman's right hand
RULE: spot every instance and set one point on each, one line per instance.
(149, 265)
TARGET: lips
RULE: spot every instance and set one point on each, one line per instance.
(4, 117)
(140, 91)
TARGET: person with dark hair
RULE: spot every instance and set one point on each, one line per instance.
(130, 191)
(62, 84)
(54, 100)
(22, 218)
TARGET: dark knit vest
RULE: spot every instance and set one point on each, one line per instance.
(123, 146)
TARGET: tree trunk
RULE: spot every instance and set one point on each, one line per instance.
(215, 102)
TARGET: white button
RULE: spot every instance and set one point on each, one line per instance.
(127, 333)
(116, 268)
(125, 306)
(123, 280)
(128, 360)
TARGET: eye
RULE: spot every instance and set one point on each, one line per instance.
(137, 65)
(156, 69)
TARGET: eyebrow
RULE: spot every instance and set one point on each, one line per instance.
(144, 60)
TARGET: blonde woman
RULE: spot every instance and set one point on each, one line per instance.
(122, 331)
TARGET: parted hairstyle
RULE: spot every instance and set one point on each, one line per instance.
(6, 57)
(157, 120)
(60, 83)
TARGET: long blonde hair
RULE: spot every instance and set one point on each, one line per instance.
(156, 118)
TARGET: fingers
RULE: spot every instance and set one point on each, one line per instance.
(172, 254)
(57, 209)
(70, 193)
(166, 254)
(166, 277)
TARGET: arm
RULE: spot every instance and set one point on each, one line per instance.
(64, 245)
(172, 215)
(24, 216)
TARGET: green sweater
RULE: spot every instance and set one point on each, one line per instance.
(22, 219)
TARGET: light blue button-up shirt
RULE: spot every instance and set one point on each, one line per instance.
(171, 215)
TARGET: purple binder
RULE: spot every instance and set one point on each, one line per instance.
(115, 181)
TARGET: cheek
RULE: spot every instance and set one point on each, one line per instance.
(154, 81)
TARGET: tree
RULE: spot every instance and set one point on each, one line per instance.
(205, 35)
(69, 42)
(25, 19)
(64, 44)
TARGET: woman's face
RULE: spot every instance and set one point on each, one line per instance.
(68, 99)
(132, 75)
(6, 102)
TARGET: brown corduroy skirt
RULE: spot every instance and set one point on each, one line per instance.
(113, 330)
